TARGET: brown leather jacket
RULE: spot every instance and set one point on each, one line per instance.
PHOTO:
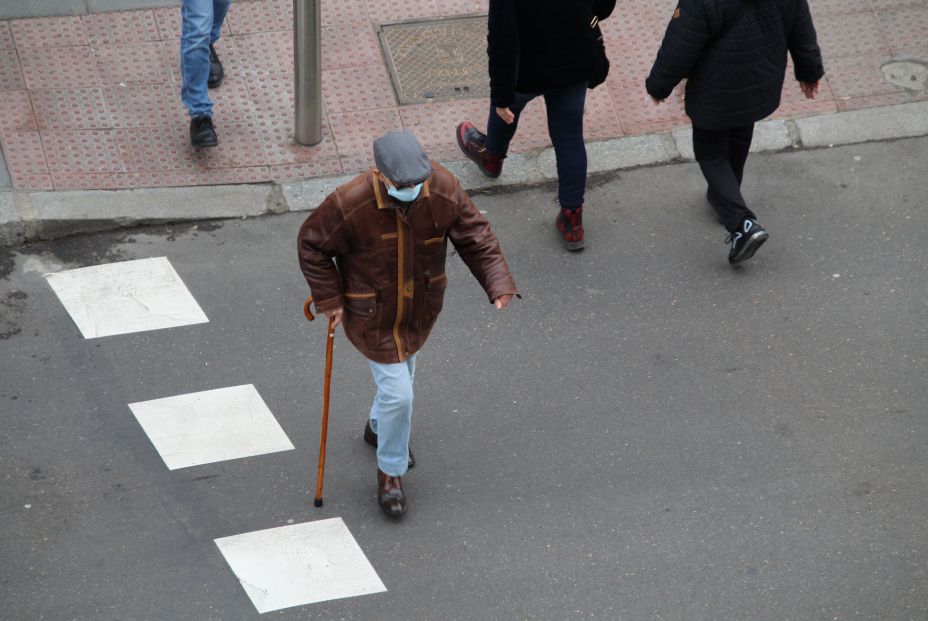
(389, 266)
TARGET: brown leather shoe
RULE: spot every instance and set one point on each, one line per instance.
(390, 495)
(473, 144)
(570, 224)
(371, 438)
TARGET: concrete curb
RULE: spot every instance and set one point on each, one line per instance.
(32, 216)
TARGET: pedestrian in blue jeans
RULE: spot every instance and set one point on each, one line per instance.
(547, 48)
(199, 65)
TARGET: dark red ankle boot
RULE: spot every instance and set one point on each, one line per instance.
(570, 223)
(473, 144)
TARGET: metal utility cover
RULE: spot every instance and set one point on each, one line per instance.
(437, 60)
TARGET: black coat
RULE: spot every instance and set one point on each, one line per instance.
(733, 53)
(538, 45)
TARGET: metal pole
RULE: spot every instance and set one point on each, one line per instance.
(307, 69)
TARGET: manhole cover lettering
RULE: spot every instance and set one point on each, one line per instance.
(438, 60)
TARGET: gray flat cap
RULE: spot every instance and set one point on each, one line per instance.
(400, 157)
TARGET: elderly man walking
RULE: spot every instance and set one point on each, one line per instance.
(733, 54)
(373, 254)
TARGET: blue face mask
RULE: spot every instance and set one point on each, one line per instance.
(405, 195)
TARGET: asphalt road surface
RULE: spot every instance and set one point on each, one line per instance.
(649, 433)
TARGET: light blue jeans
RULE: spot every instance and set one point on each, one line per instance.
(391, 414)
(200, 27)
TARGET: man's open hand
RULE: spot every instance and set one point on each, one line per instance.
(809, 89)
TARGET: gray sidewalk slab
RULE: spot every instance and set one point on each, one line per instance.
(49, 215)
(12, 231)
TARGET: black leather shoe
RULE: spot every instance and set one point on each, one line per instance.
(202, 132)
(371, 438)
(390, 495)
(215, 69)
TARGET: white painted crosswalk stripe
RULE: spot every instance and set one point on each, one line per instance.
(131, 296)
(210, 426)
(280, 567)
(300, 564)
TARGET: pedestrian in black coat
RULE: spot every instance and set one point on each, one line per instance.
(548, 48)
(733, 55)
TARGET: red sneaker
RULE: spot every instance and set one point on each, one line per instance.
(570, 223)
(473, 145)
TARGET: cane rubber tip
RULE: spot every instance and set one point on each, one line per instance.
(317, 502)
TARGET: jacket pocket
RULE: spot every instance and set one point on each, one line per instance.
(362, 316)
(434, 299)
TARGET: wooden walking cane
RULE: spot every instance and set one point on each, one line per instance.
(329, 347)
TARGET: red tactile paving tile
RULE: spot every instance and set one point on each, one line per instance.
(355, 46)
(344, 11)
(92, 181)
(232, 103)
(59, 68)
(165, 178)
(133, 63)
(281, 146)
(159, 148)
(355, 132)
(356, 164)
(822, 8)
(648, 12)
(11, 76)
(447, 8)
(17, 113)
(600, 116)
(70, 151)
(120, 27)
(305, 170)
(907, 30)
(169, 24)
(241, 145)
(357, 88)
(858, 76)
(434, 124)
(48, 32)
(266, 16)
(145, 105)
(23, 153)
(82, 108)
(265, 53)
(272, 96)
(239, 174)
(6, 37)
(110, 72)
(850, 34)
(892, 4)
(794, 103)
(639, 114)
(385, 12)
(31, 182)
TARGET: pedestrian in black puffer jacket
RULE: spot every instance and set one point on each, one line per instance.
(541, 47)
(733, 55)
